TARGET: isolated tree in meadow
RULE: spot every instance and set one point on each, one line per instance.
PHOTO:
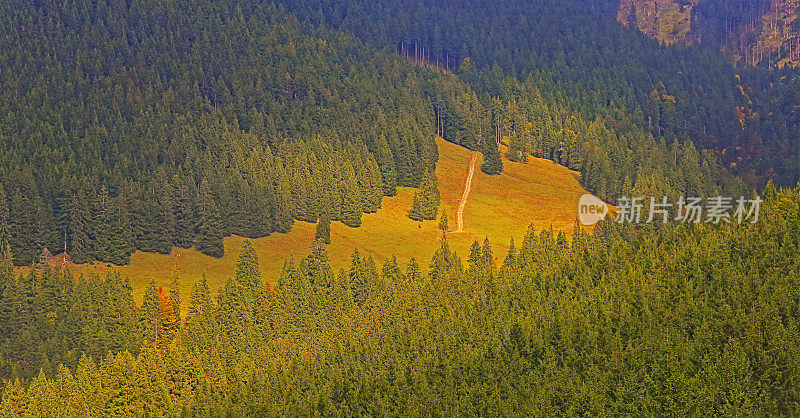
(324, 229)
(443, 222)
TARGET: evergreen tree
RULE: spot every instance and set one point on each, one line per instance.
(283, 211)
(387, 166)
(248, 272)
(323, 232)
(351, 199)
(120, 240)
(208, 231)
(443, 222)
(426, 199)
(492, 163)
(78, 223)
(4, 233)
(183, 236)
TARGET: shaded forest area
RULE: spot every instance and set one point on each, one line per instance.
(576, 51)
(148, 125)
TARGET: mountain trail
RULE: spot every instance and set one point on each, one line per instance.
(467, 188)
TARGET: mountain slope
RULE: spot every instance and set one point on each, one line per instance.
(499, 208)
(754, 32)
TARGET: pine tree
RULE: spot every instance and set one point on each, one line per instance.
(351, 199)
(283, 211)
(443, 222)
(78, 222)
(208, 231)
(492, 163)
(387, 166)
(175, 295)
(324, 229)
(358, 276)
(101, 226)
(120, 240)
(426, 199)
(166, 228)
(248, 272)
(183, 235)
(4, 233)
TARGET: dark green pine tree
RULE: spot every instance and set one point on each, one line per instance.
(492, 163)
(426, 199)
(248, 272)
(78, 214)
(121, 242)
(386, 163)
(443, 225)
(20, 226)
(283, 209)
(165, 229)
(240, 298)
(3, 218)
(184, 214)
(101, 225)
(416, 207)
(358, 278)
(113, 243)
(208, 237)
(324, 228)
(351, 199)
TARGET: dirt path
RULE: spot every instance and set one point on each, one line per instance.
(467, 188)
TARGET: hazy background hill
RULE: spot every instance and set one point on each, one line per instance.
(762, 33)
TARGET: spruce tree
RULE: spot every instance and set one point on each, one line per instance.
(351, 199)
(3, 218)
(78, 222)
(426, 199)
(101, 226)
(283, 210)
(385, 161)
(120, 241)
(417, 207)
(183, 235)
(208, 231)
(323, 232)
(248, 272)
(443, 222)
(492, 163)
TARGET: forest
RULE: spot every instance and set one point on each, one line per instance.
(144, 125)
(673, 321)
(147, 125)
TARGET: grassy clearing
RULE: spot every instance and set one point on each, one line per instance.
(499, 207)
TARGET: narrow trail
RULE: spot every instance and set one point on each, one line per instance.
(467, 188)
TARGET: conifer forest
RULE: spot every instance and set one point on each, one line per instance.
(310, 134)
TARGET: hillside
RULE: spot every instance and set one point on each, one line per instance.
(499, 208)
(763, 32)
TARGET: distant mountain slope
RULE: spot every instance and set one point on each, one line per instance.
(753, 32)
(580, 53)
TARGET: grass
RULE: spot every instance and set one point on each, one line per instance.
(499, 207)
